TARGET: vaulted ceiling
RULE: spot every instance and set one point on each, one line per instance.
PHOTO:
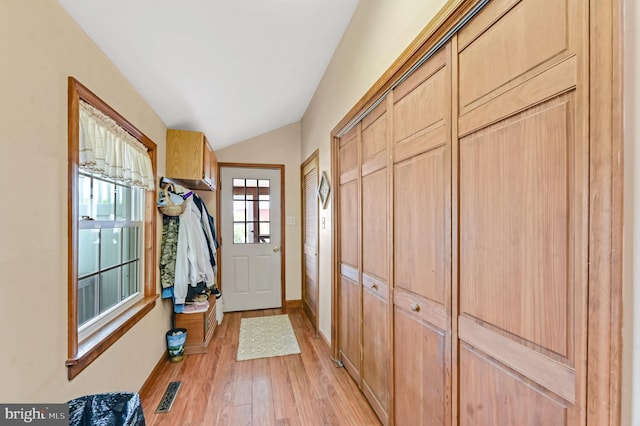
(233, 69)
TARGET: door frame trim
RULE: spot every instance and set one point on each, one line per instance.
(313, 158)
(606, 175)
(283, 246)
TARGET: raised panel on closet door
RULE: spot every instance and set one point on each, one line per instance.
(350, 293)
(494, 396)
(348, 199)
(421, 108)
(422, 181)
(522, 281)
(349, 326)
(419, 225)
(374, 139)
(420, 373)
(523, 187)
(422, 243)
(376, 361)
(514, 205)
(348, 162)
(349, 235)
(545, 27)
(375, 199)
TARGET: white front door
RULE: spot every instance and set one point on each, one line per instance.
(251, 251)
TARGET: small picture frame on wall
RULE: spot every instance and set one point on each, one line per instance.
(323, 189)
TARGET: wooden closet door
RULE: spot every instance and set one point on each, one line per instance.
(350, 289)
(376, 361)
(523, 188)
(422, 244)
(310, 240)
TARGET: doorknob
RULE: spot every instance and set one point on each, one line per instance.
(276, 249)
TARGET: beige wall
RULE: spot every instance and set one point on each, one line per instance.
(280, 146)
(378, 33)
(40, 46)
(631, 268)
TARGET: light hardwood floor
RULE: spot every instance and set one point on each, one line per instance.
(305, 389)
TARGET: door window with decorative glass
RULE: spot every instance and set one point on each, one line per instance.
(251, 211)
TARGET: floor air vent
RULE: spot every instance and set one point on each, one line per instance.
(169, 397)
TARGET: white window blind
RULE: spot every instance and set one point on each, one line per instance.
(107, 150)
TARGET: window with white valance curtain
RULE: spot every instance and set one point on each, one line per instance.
(109, 151)
(112, 227)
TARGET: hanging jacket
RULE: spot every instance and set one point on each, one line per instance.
(169, 250)
(208, 226)
(192, 261)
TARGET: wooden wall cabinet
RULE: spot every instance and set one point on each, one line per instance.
(191, 161)
(200, 328)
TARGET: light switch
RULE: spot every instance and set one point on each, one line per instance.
(291, 220)
(323, 225)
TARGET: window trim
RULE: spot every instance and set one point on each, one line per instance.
(81, 354)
